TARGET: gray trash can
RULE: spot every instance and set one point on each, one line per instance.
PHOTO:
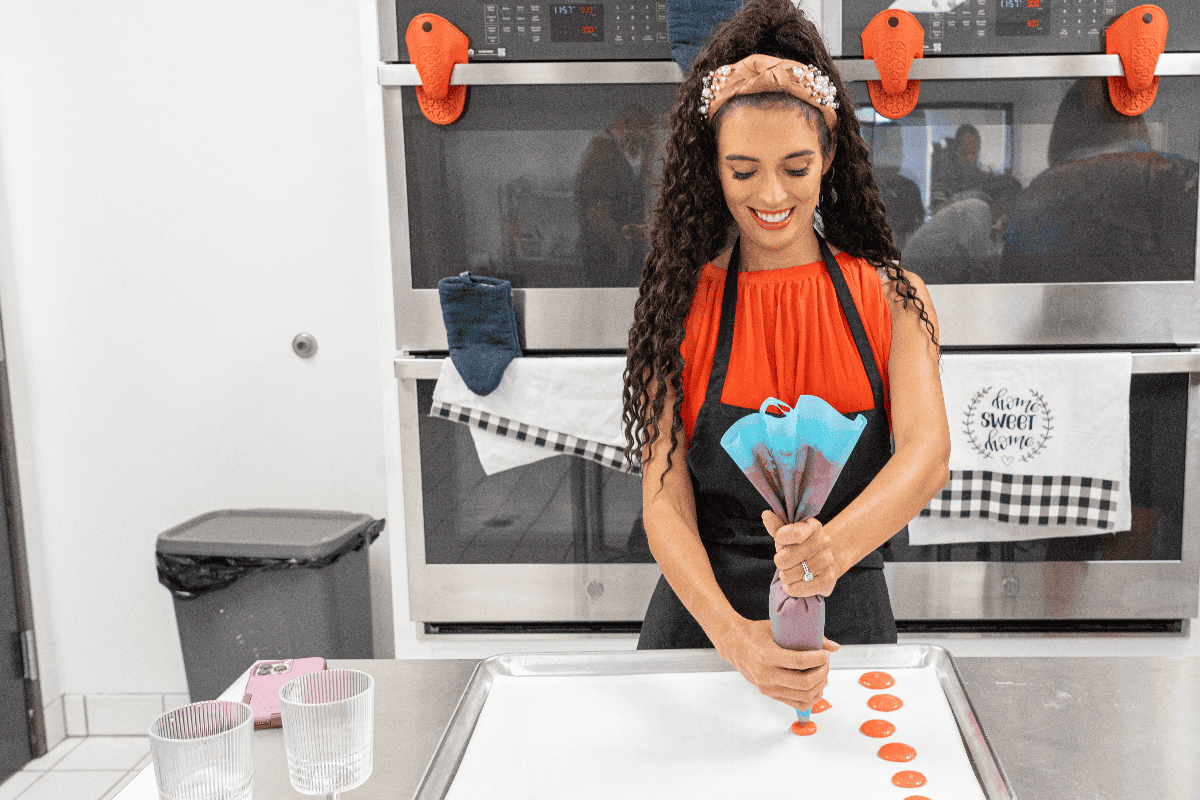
(267, 584)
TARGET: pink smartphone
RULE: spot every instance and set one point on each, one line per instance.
(266, 679)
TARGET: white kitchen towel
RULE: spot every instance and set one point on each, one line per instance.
(543, 407)
(1039, 448)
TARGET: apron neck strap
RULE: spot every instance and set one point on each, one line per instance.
(720, 365)
(846, 301)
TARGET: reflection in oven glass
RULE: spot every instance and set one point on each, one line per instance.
(561, 510)
(555, 196)
(1040, 182)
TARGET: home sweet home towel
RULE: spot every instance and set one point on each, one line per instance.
(1040, 448)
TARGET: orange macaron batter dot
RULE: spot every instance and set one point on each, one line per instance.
(807, 729)
(916, 797)
(895, 751)
(885, 702)
(908, 779)
(821, 705)
(877, 680)
(878, 728)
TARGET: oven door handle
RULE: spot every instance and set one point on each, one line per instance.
(852, 69)
(413, 368)
(1167, 361)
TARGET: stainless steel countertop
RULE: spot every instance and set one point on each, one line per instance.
(1063, 728)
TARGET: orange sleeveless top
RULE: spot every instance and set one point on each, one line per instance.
(789, 338)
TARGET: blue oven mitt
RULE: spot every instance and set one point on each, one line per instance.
(481, 328)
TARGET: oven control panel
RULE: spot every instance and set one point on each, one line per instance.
(567, 30)
(636, 30)
(1019, 27)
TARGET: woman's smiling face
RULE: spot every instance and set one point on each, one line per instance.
(770, 163)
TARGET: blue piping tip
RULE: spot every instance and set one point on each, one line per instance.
(804, 715)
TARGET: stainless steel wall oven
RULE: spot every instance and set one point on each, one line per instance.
(504, 191)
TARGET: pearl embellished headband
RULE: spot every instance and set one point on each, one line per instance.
(757, 74)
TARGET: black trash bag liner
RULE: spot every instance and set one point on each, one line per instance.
(189, 577)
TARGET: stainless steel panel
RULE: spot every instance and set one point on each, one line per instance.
(440, 773)
(389, 42)
(1047, 713)
(851, 69)
(548, 319)
(1170, 361)
(1007, 67)
(1049, 315)
(1116, 315)
(569, 72)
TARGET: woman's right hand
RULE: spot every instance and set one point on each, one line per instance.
(793, 677)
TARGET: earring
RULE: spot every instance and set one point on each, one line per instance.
(832, 189)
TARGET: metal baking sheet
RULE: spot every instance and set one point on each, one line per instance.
(444, 766)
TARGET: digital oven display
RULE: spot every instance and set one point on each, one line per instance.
(1023, 18)
(577, 23)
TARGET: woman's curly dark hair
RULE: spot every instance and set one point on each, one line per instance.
(691, 222)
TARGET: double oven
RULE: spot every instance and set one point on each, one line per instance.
(505, 191)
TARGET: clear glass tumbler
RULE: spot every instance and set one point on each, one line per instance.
(328, 730)
(202, 751)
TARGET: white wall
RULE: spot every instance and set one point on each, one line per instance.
(185, 187)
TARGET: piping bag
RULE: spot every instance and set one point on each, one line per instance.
(793, 459)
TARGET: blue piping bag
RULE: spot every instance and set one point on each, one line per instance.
(793, 459)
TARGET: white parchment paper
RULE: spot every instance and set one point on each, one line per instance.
(704, 735)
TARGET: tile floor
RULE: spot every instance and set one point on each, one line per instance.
(80, 768)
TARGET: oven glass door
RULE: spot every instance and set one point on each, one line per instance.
(1040, 181)
(560, 510)
(553, 197)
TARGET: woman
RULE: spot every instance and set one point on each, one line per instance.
(741, 300)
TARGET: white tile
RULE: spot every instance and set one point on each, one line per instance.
(55, 755)
(73, 785)
(56, 722)
(122, 714)
(106, 752)
(17, 783)
(121, 784)
(75, 715)
(174, 701)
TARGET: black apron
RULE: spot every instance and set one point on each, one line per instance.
(729, 508)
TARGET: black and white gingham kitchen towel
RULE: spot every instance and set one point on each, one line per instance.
(1027, 499)
(553, 441)
(543, 407)
(1039, 448)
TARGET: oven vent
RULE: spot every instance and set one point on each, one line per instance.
(930, 627)
(1043, 626)
(508, 628)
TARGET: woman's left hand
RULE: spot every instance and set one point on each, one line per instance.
(799, 544)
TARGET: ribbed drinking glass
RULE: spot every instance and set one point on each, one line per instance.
(328, 730)
(202, 751)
